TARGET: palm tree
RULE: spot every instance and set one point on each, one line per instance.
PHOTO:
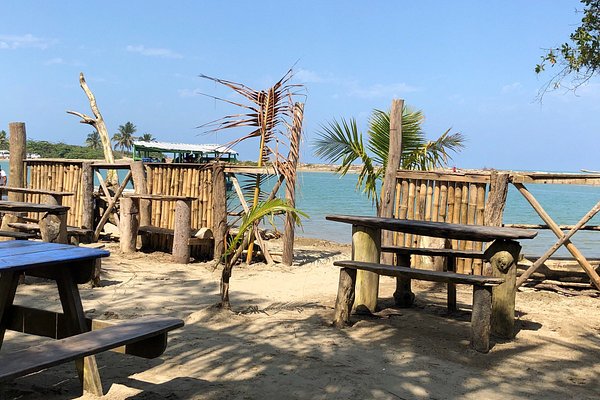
(124, 137)
(341, 141)
(93, 140)
(147, 137)
(3, 139)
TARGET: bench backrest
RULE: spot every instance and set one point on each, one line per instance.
(445, 197)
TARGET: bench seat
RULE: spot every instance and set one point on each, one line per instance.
(434, 252)
(52, 353)
(482, 293)
(18, 235)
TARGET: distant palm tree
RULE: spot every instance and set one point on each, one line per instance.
(3, 139)
(341, 141)
(124, 137)
(93, 140)
(147, 137)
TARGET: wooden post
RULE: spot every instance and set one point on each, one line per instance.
(87, 192)
(345, 297)
(129, 224)
(140, 185)
(18, 151)
(366, 246)
(386, 209)
(403, 296)
(481, 317)
(53, 227)
(287, 257)
(182, 231)
(503, 256)
(219, 202)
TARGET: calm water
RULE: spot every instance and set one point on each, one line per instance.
(323, 193)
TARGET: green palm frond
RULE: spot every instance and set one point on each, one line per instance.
(341, 141)
(263, 209)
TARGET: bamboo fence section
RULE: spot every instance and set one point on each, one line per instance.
(57, 176)
(444, 197)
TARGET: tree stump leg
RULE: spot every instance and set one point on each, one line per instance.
(345, 297)
(403, 296)
(451, 266)
(366, 246)
(481, 318)
(182, 232)
(503, 256)
(129, 224)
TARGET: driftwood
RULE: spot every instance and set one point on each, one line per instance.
(100, 126)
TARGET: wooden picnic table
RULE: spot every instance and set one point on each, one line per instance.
(53, 222)
(68, 266)
(493, 296)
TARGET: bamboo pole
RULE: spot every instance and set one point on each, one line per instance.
(404, 209)
(411, 208)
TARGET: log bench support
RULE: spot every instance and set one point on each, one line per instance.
(481, 316)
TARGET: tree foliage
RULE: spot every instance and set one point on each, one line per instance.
(578, 59)
(124, 137)
(342, 142)
(61, 150)
(147, 137)
(93, 140)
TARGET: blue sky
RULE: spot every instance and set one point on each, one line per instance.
(466, 64)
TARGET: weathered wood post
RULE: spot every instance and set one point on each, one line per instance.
(287, 256)
(140, 185)
(182, 231)
(17, 144)
(494, 206)
(18, 151)
(345, 297)
(129, 224)
(403, 296)
(219, 202)
(53, 227)
(87, 192)
(480, 318)
(503, 256)
(388, 189)
(366, 246)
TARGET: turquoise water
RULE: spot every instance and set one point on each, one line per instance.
(323, 193)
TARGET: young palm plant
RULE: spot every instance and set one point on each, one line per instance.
(235, 246)
(342, 142)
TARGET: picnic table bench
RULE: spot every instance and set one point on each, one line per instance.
(68, 266)
(493, 296)
(53, 223)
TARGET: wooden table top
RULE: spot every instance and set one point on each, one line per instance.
(20, 255)
(35, 191)
(160, 197)
(437, 229)
(19, 206)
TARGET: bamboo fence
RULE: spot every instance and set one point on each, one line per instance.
(444, 197)
(57, 176)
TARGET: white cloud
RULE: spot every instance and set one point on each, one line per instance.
(380, 90)
(188, 92)
(13, 42)
(511, 88)
(306, 76)
(153, 51)
(55, 61)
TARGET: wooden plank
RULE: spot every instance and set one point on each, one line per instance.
(420, 274)
(160, 197)
(444, 176)
(57, 352)
(35, 191)
(53, 325)
(21, 259)
(433, 252)
(437, 229)
(18, 235)
(19, 206)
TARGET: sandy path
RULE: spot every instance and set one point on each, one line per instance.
(278, 343)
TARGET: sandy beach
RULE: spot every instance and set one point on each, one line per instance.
(277, 343)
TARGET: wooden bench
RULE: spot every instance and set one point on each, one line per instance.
(359, 278)
(18, 235)
(77, 235)
(139, 332)
(403, 255)
(482, 292)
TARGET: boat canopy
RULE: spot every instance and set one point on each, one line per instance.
(182, 152)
